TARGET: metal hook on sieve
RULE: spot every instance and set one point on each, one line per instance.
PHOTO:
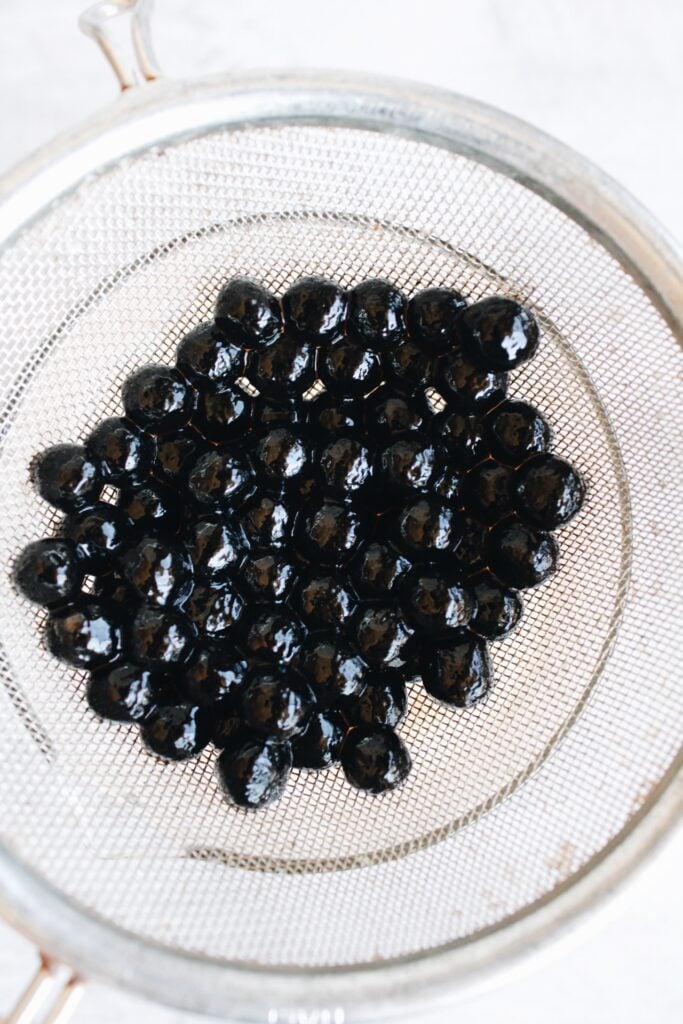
(49, 997)
(121, 30)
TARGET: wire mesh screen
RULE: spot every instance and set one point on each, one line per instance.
(506, 800)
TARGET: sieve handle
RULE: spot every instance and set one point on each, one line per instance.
(47, 998)
(121, 30)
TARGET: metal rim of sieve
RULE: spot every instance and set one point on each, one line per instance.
(163, 113)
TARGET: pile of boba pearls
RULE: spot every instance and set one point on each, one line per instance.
(328, 497)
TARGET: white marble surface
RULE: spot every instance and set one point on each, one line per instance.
(605, 76)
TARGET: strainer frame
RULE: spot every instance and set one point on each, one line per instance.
(164, 113)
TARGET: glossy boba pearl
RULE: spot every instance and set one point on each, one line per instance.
(469, 554)
(177, 732)
(383, 702)
(332, 414)
(218, 478)
(411, 365)
(277, 705)
(325, 601)
(330, 532)
(268, 577)
(150, 508)
(375, 759)
(432, 316)
(314, 309)
(427, 527)
(215, 610)
(471, 389)
(462, 436)
(548, 491)
(249, 311)
(161, 573)
(215, 546)
(457, 672)
(391, 412)
(255, 772)
(281, 455)
(409, 463)
(84, 634)
(487, 491)
(498, 608)
(319, 745)
(515, 430)
(160, 637)
(283, 369)
(519, 555)
(214, 678)
(376, 314)
(436, 601)
(175, 453)
(48, 572)
(208, 358)
(266, 522)
(222, 415)
(332, 668)
(381, 634)
(122, 693)
(99, 534)
(346, 465)
(446, 484)
(122, 453)
(267, 412)
(347, 368)
(158, 399)
(274, 636)
(376, 569)
(498, 333)
(67, 477)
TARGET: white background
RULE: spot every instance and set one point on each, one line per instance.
(605, 76)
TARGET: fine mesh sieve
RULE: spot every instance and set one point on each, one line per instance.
(331, 900)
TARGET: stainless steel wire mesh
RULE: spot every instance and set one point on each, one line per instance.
(506, 801)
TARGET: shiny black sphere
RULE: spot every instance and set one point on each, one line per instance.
(215, 546)
(218, 479)
(458, 671)
(222, 415)
(208, 358)
(392, 412)
(515, 431)
(268, 413)
(215, 609)
(124, 692)
(381, 634)
(346, 465)
(325, 601)
(428, 528)
(281, 455)
(384, 701)
(470, 553)
(158, 399)
(254, 773)
(436, 600)
(332, 414)
(314, 309)
(333, 668)
(159, 571)
(177, 732)
(462, 436)
(267, 521)
(375, 759)
(432, 316)
(498, 608)
(267, 576)
(487, 491)
(410, 365)
(249, 312)
(319, 745)
(122, 453)
(469, 388)
(376, 317)
(274, 635)
(175, 453)
(347, 368)
(409, 464)
(85, 634)
(99, 534)
(215, 677)
(548, 491)
(49, 572)
(68, 477)
(519, 555)
(498, 334)
(151, 507)
(376, 569)
(283, 369)
(330, 533)
(277, 705)
(159, 637)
